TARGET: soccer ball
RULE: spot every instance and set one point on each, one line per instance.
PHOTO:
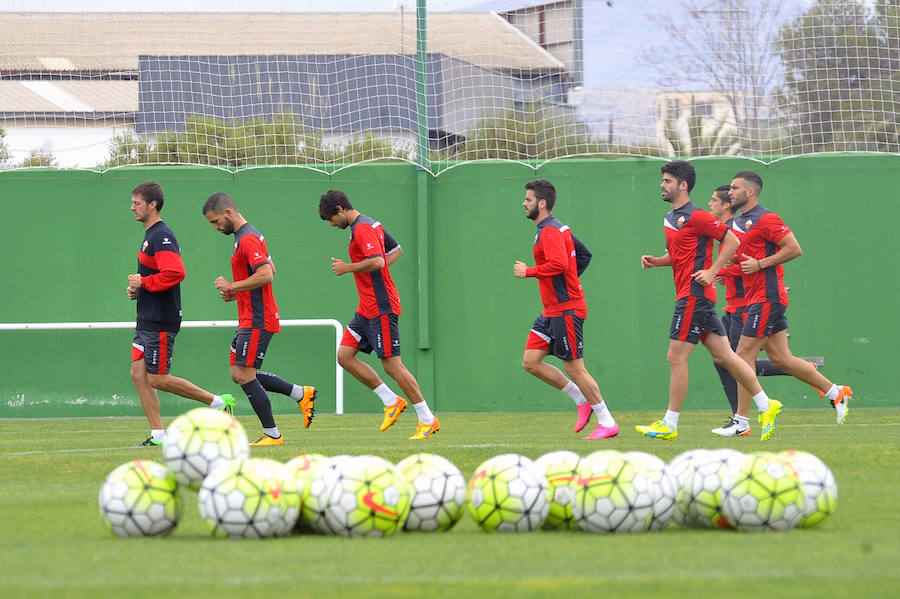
(663, 487)
(369, 499)
(439, 492)
(141, 499)
(507, 493)
(560, 468)
(245, 499)
(290, 491)
(198, 441)
(322, 477)
(302, 467)
(819, 487)
(763, 493)
(681, 470)
(703, 490)
(612, 495)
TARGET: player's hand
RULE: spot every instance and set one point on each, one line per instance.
(223, 284)
(750, 265)
(134, 281)
(339, 267)
(131, 292)
(647, 261)
(519, 269)
(720, 280)
(704, 277)
(228, 296)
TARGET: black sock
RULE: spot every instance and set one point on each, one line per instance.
(274, 383)
(259, 399)
(730, 387)
(765, 368)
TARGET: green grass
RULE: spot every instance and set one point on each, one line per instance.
(54, 542)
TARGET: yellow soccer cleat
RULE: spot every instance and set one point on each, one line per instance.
(424, 431)
(308, 404)
(227, 403)
(658, 430)
(267, 440)
(767, 419)
(392, 413)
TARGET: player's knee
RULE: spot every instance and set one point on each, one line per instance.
(157, 381)
(530, 366)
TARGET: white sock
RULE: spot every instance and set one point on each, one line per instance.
(671, 419)
(423, 412)
(158, 434)
(388, 397)
(832, 393)
(762, 401)
(217, 403)
(604, 417)
(297, 392)
(272, 432)
(743, 421)
(572, 390)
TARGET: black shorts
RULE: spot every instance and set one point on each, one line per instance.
(764, 319)
(561, 336)
(694, 318)
(381, 333)
(248, 348)
(155, 347)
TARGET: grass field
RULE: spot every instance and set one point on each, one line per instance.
(54, 542)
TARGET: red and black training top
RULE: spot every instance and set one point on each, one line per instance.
(557, 265)
(690, 233)
(377, 292)
(256, 308)
(161, 270)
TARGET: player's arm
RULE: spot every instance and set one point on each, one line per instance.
(263, 275)
(648, 261)
(392, 249)
(556, 258)
(729, 245)
(171, 272)
(370, 264)
(582, 255)
(788, 249)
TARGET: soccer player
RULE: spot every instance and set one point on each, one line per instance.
(690, 233)
(375, 326)
(767, 244)
(156, 287)
(253, 271)
(559, 258)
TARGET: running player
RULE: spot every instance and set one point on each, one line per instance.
(376, 324)
(253, 272)
(559, 259)
(690, 233)
(157, 288)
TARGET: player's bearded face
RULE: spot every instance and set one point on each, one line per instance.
(669, 187)
(227, 226)
(532, 210)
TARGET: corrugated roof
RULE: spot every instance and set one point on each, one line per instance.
(68, 96)
(113, 41)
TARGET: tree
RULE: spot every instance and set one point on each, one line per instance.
(4, 151)
(40, 157)
(724, 46)
(842, 77)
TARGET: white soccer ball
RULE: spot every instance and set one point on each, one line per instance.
(764, 493)
(314, 498)
(507, 493)
(819, 487)
(703, 490)
(663, 487)
(439, 492)
(612, 495)
(246, 499)
(198, 441)
(560, 469)
(680, 470)
(141, 499)
(368, 499)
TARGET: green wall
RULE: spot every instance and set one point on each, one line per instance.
(71, 241)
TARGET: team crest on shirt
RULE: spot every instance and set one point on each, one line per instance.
(144, 245)
(680, 221)
(748, 224)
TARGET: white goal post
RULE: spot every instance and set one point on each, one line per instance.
(201, 324)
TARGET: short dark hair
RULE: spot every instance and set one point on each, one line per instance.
(218, 202)
(682, 170)
(722, 193)
(150, 191)
(543, 190)
(330, 201)
(752, 178)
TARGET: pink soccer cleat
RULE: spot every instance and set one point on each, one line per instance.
(584, 416)
(604, 432)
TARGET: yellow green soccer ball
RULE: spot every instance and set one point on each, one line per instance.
(560, 469)
(612, 495)
(198, 441)
(368, 498)
(141, 499)
(764, 493)
(244, 499)
(819, 487)
(439, 492)
(703, 490)
(508, 493)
